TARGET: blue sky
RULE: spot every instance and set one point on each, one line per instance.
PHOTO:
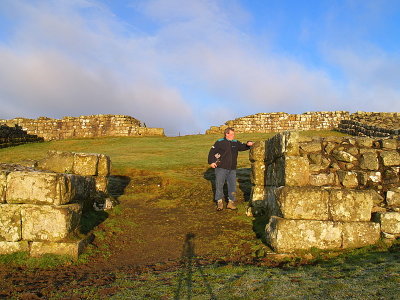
(186, 65)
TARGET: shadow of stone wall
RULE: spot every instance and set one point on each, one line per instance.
(14, 136)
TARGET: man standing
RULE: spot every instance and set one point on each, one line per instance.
(223, 158)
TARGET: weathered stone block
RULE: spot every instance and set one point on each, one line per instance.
(257, 151)
(86, 164)
(343, 156)
(258, 173)
(12, 247)
(351, 205)
(390, 221)
(296, 170)
(3, 185)
(51, 223)
(101, 183)
(71, 248)
(347, 178)
(322, 179)
(298, 203)
(369, 161)
(314, 146)
(285, 143)
(390, 158)
(285, 235)
(58, 161)
(389, 144)
(360, 234)
(393, 197)
(47, 188)
(104, 165)
(369, 177)
(258, 193)
(10, 222)
(364, 142)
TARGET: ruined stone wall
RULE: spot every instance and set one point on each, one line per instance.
(328, 193)
(372, 124)
(83, 127)
(40, 210)
(280, 121)
(14, 136)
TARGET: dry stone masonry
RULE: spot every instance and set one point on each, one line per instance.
(280, 121)
(328, 193)
(41, 207)
(14, 136)
(372, 124)
(84, 127)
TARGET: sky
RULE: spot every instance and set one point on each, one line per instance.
(186, 65)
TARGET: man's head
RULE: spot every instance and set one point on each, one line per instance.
(229, 133)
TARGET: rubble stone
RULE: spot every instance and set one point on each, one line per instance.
(390, 221)
(369, 161)
(390, 158)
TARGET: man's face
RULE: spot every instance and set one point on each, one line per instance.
(230, 135)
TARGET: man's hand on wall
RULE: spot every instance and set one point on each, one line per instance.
(213, 165)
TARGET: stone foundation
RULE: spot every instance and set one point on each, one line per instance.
(327, 192)
(40, 209)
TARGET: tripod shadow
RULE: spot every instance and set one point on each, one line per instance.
(189, 263)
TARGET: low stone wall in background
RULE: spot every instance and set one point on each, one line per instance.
(328, 193)
(14, 136)
(41, 207)
(280, 121)
(372, 124)
(84, 127)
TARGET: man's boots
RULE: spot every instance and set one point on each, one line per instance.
(231, 205)
(220, 205)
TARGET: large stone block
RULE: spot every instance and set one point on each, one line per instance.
(285, 235)
(10, 222)
(285, 143)
(12, 247)
(390, 158)
(48, 188)
(348, 179)
(308, 203)
(390, 221)
(257, 151)
(104, 165)
(258, 173)
(49, 223)
(369, 161)
(3, 185)
(360, 234)
(351, 205)
(85, 164)
(393, 197)
(297, 171)
(71, 248)
(58, 161)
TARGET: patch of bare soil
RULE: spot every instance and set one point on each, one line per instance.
(148, 234)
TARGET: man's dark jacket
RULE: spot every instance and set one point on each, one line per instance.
(228, 153)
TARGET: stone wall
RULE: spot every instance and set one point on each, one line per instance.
(328, 193)
(41, 208)
(84, 127)
(14, 136)
(372, 124)
(280, 121)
